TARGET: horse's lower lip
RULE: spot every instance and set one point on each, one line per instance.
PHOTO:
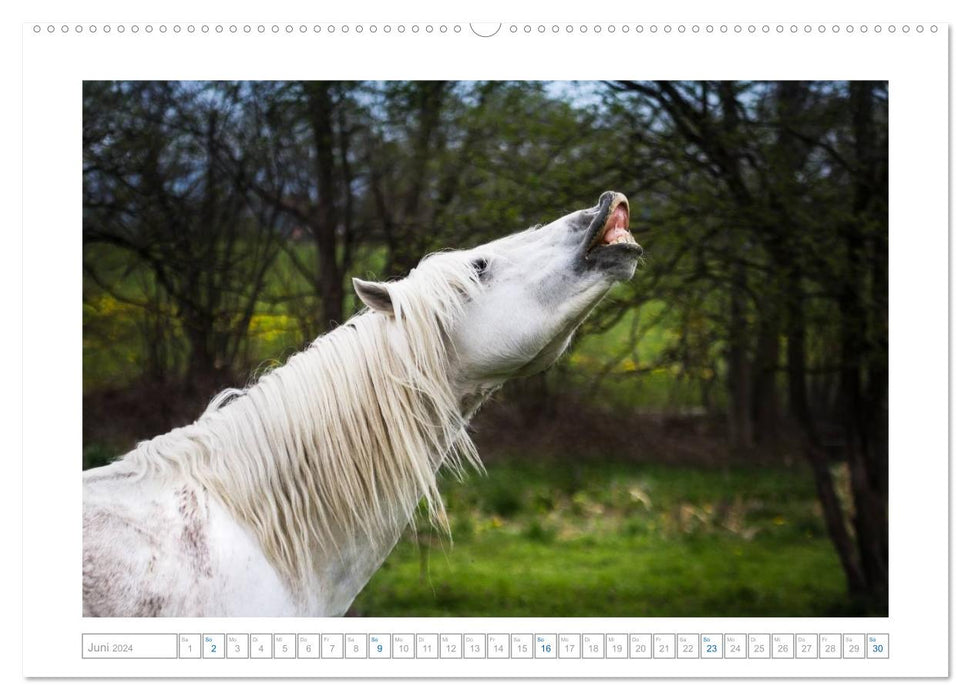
(613, 248)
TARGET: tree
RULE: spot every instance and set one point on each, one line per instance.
(157, 191)
(767, 167)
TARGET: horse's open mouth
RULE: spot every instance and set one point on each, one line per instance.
(612, 226)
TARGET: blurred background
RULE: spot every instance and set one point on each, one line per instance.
(714, 443)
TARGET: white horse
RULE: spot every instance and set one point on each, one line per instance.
(284, 498)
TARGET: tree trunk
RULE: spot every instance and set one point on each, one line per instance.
(862, 408)
(739, 366)
(407, 248)
(330, 285)
(765, 402)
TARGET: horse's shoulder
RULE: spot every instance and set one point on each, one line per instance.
(159, 545)
(146, 545)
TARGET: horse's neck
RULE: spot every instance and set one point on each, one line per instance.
(346, 567)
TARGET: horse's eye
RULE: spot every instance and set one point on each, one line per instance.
(479, 265)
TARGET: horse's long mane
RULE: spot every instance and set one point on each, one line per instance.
(344, 436)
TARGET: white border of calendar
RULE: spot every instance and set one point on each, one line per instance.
(915, 65)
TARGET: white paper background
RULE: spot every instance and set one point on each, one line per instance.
(54, 67)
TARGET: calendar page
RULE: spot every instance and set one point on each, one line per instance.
(424, 346)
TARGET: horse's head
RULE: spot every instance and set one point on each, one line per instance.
(530, 291)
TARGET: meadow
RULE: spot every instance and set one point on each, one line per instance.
(616, 539)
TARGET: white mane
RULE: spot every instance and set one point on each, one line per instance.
(319, 447)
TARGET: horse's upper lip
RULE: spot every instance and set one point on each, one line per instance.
(611, 225)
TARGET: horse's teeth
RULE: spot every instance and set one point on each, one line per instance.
(621, 237)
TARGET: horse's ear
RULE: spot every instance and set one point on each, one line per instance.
(376, 295)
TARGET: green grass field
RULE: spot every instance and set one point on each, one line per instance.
(616, 540)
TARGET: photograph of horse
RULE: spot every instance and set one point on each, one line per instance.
(610, 348)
